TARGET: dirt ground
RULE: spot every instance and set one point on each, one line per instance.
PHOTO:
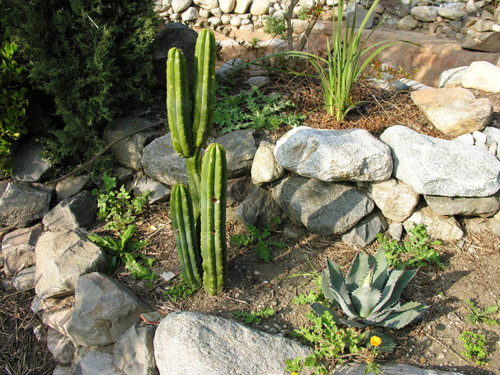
(471, 267)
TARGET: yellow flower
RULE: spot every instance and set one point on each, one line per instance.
(375, 340)
(293, 373)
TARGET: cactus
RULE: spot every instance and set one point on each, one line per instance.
(186, 237)
(191, 126)
(213, 218)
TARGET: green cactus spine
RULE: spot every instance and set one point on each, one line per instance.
(186, 236)
(213, 218)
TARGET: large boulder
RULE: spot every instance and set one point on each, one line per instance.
(29, 165)
(18, 249)
(104, 310)
(484, 206)
(265, 168)
(21, 204)
(334, 155)
(240, 150)
(258, 208)
(161, 162)
(322, 207)
(72, 213)
(61, 258)
(194, 343)
(441, 167)
(453, 111)
(129, 151)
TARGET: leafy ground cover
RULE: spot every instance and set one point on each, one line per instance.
(254, 285)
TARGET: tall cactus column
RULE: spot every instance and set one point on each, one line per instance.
(191, 125)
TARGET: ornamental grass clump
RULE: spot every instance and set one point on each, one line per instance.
(369, 294)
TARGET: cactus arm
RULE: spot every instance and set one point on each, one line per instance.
(204, 87)
(186, 237)
(213, 218)
(193, 165)
(179, 104)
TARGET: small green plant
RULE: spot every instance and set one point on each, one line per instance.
(275, 27)
(369, 294)
(477, 315)
(254, 316)
(416, 251)
(254, 110)
(474, 347)
(125, 249)
(117, 207)
(313, 295)
(259, 237)
(179, 291)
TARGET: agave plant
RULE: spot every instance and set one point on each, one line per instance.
(369, 295)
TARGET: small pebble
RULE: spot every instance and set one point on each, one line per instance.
(479, 137)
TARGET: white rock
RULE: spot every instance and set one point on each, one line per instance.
(482, 75)
(236, 21)
(334, 155)
(214, 21)
(258, 81)
(180, 6)
(395, 199)
(259, 7)
(452, 77)
(96, 362)
(190, 14)
(207, 4)
(451, 13)
(265, 168)
(227, 6)
(242, 6)
(226, 19)
(204, 13)
(479, 137)
(216, 12)
(425, 13)
(466, 138)
(438, 227)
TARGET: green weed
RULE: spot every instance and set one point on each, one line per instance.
(179, 291)
(415, 251)
(254, 316)
(254, 110)
(117, 207)
(259, 237)
(477, 315)
(274, 26)
(474, 347)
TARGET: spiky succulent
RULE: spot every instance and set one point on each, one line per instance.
(369, 295)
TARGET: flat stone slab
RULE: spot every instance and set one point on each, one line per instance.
(390, 369)
(194, 343)
(440, 167)
(334, 155)
(322, 207)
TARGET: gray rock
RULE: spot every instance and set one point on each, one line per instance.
(190, 14)
(133, 352)
(157, 191)
(395, 199)
(425, 13)
(482, 75)
(495, 224)
(237, 190)
(360, 14)
(265, 168)
(407, 23)
(18, 249)
(492, 135)
(322, 207)
(180, 6)
(390, 369)
(71, 186)
(334, 155)
(454, 111)
(451, 13)
(365, 231)
(72, 213)
(193, 343)
(25, 279)
(60, 346)
(227, 6)
(161, 162)
(129, 151)
(438, 226)
(61, 258)
(395, 230)
(396, 8)
(485, 206)
(96, 362)
(258, 81)
(240, 150)
(63, 370)
(104, 310)
(58, 317)
(21, 204)
(452, 77)
(28, 164)
(440, 167)
(258, 208)
(230, 66)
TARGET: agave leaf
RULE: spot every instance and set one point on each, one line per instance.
(365, 299)
(332, 278)
(320, 309)
(358, 270)
(380, 267)
(404, 315)
(340, 297)
(393, 288)
(375, 318)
